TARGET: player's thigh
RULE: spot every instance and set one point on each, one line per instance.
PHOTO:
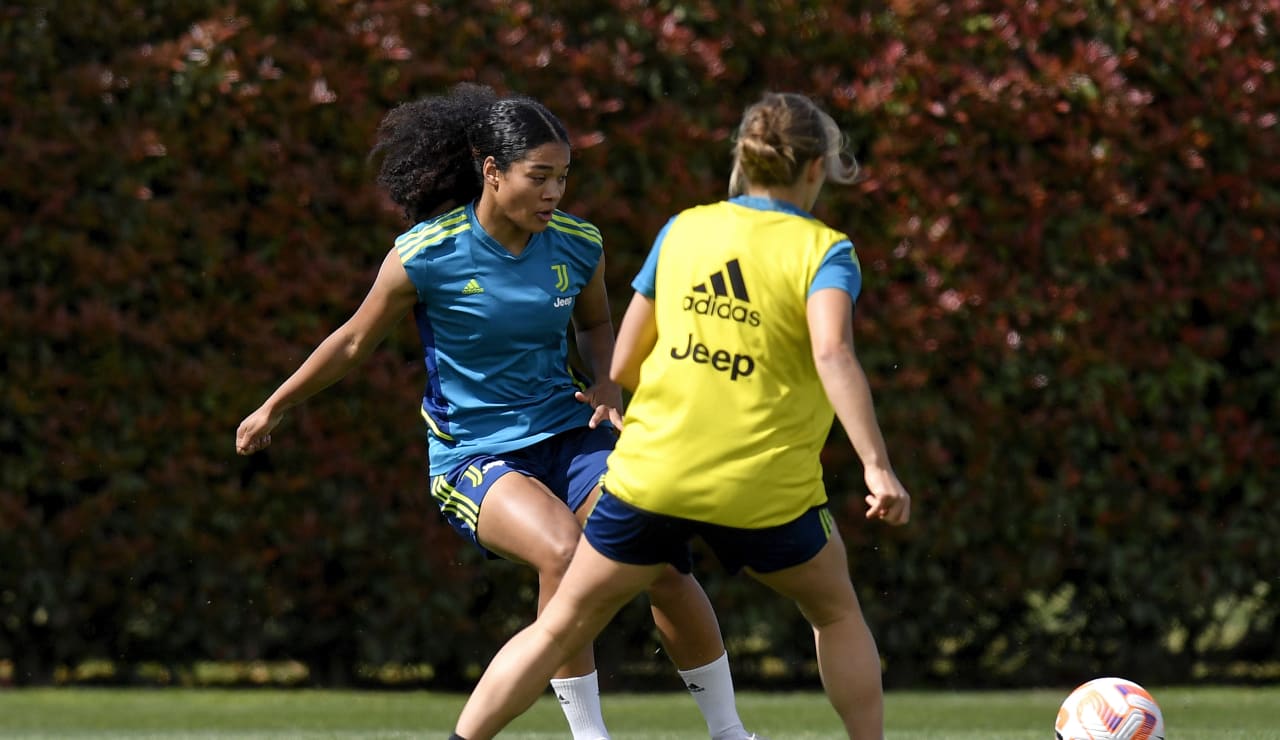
(589, 503)
(592, 592)
(522, 520)
(820, 586)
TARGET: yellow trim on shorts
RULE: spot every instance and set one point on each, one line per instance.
(452, 502)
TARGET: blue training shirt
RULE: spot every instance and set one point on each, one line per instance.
(493, 329)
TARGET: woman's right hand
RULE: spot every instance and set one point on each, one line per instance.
(254, 433)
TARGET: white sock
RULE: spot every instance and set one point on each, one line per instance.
(712, 688)
(580, 699)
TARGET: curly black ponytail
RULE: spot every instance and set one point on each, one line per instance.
(432, 149)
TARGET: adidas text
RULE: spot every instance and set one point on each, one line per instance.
(737, 365)
(727, 309)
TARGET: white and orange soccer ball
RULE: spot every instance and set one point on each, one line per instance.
(1109, 709)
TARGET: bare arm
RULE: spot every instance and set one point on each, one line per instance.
(593, 330)
(830, 316)
(636, 339)
(391, 296)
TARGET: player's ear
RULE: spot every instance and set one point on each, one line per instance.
(489, 170)
(816, 170)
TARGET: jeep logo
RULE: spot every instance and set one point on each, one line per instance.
(737, 365)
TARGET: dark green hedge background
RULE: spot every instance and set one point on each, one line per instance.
(1069, 227)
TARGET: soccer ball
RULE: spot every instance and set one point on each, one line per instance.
(1109, 709)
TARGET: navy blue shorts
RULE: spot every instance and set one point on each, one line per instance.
(570, 463)
(625, 534)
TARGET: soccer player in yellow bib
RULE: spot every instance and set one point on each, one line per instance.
(739, 347)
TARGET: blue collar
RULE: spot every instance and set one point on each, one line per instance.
(769, 204)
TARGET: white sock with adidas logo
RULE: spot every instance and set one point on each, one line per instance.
(580, 699)
(712, 688)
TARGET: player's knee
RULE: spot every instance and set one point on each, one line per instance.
(670, 585)
(824, 612)
(562, 554)
(554, 557)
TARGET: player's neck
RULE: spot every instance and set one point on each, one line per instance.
(786, 195)
(502, 230)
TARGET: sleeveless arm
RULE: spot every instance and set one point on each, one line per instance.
(593, 330)
(390, 298)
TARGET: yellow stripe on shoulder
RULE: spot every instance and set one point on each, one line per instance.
(569, 225)
(408, 254)
(593, 238)
(454, 222)
(431, 228)
(569, 219)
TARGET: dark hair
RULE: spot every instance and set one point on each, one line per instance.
(432, 149)
(779, 135)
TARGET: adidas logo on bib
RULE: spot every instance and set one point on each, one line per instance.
(723, 299)
(734, 271)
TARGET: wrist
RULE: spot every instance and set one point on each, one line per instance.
(877, 466)
(274, 409)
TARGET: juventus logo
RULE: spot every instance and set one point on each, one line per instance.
(562, 276)
(718, 286)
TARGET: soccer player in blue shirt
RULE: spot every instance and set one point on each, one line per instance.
(494, 273)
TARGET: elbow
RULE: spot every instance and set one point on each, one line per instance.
(351, 346)
(836, 361)
(833, 354)
(354, 354)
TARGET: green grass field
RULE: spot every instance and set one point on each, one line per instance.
(200, 714)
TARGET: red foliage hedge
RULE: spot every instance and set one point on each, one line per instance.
(1068, 227)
